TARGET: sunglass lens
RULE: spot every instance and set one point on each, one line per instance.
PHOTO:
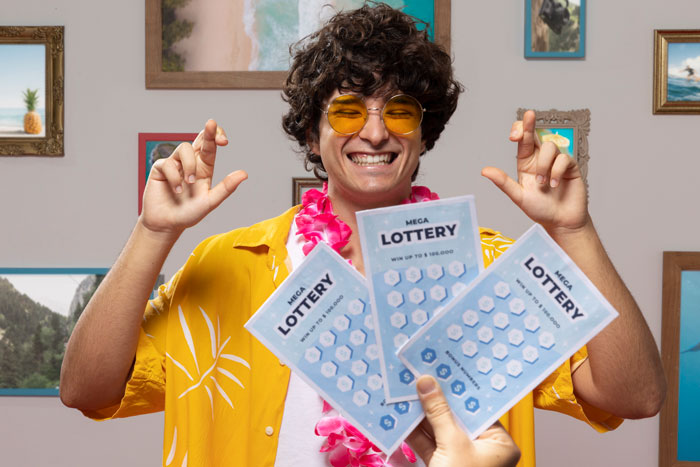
(347, 114)
(402, 114)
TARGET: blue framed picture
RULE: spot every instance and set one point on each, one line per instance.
(680, 350)
(555, 28)
(38, 310)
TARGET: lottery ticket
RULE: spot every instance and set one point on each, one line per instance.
(530, 311)
(318, 322)
(417, 257)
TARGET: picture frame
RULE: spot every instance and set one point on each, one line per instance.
(159, 76)
(573, 125)
(33, 68)
(154, 146)
(41, 306)
(555, 28)
(680, 352)
(676, 71)
(38, 310)
(301, 185)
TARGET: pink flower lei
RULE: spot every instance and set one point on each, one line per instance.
(316, 222)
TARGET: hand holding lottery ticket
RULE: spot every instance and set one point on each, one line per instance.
(440, 442)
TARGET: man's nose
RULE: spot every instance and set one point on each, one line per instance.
(374, 130)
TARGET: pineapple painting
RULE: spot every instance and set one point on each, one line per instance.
(32, 119)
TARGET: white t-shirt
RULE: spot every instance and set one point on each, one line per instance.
(303, 407)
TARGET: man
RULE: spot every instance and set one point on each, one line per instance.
(368, 95)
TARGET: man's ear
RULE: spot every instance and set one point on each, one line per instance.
(312, 142)
(422, 147)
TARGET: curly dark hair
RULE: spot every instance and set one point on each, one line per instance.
(373, 48)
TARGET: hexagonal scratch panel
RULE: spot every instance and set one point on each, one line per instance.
(454, 332)
(413, 274)
(343, 353)
(356, 307)
(313, 354)
(416, 296)
(392, 278)
(456, 268)
(394, 298)
(345, 383)
(398, 320)
(435, 271)
(361, 398)
(419, 317)
(486, 304)
(438, 293)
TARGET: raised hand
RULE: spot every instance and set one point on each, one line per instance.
(179, 191)
(549, 189)
(441, 443)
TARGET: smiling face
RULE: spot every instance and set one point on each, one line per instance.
(372, 167)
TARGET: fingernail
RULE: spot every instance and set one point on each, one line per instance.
(425, 385)
(554, 182)
(178, 189)
(513, 133)
(191, 179)
(540, 179)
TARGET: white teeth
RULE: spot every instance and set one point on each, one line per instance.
(367, 159)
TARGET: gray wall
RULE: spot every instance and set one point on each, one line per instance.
(77, 211)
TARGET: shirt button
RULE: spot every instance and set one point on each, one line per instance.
(269, 430)
(281, 363)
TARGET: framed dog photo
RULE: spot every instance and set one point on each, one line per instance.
(555, 28)
(567, 129)
(154, 146)
(676, 72)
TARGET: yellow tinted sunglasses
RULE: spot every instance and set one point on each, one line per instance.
(348, 114)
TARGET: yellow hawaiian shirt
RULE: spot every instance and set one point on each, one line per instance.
(222, 391)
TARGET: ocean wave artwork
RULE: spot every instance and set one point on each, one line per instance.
(683, 89)
(255, 35)
(683, 71)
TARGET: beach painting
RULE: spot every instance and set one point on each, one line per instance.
(250, 35)
(22, 90)
(683, 71)
(154, 146)
(555, 28)
(689, 362)
(563, 137)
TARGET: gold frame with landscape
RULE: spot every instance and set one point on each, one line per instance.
(51, 143)
(156, 78)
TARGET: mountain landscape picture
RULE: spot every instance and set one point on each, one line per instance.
(37, 314)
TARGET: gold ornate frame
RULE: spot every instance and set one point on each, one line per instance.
(156, 78)
(51, 144)
(579, 120)
(661, 104)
